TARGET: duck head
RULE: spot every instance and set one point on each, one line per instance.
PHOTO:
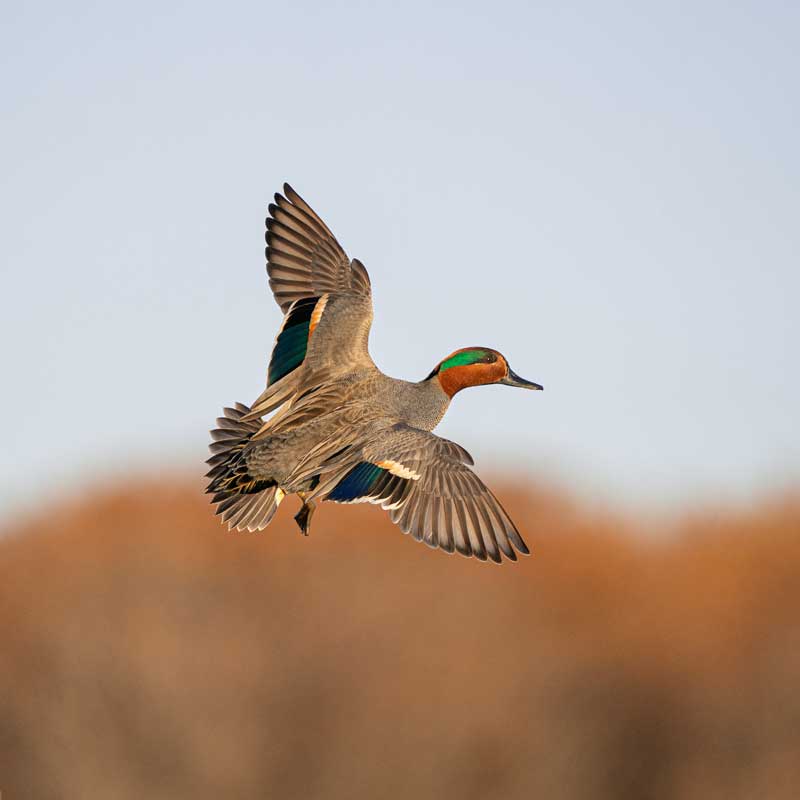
(476, 366)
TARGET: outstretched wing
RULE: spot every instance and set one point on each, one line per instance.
(304, 259)
(426, 484)
(325, 296)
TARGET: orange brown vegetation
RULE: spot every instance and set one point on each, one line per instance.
(147, 653)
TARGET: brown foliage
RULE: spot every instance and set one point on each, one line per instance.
(148, 653)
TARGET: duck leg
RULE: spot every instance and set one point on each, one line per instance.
(303, 516)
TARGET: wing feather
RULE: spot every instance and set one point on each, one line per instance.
(298, 240)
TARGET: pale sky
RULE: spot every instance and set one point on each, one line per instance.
(607, 193)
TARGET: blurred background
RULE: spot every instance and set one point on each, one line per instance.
(608, 195)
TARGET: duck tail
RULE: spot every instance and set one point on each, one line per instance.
(244, 501)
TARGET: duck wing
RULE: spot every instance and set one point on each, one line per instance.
(426, 484)
(326, 299)
(304, 260)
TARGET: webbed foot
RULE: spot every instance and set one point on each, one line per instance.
(303, 517)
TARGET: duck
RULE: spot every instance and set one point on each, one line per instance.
(331, 427)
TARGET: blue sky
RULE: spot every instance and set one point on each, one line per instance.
(608, 195)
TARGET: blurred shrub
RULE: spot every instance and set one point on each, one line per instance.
(148, 653)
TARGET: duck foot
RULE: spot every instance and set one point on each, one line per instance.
(303, 517)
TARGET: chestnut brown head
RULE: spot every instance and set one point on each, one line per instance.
(476, 366)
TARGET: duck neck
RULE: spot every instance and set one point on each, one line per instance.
(431, 403)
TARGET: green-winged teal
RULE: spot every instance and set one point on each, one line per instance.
(342, 430)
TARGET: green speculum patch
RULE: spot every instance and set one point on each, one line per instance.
(290, 348)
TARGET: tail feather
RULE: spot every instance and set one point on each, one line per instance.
(244, 501)
(252, 512)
